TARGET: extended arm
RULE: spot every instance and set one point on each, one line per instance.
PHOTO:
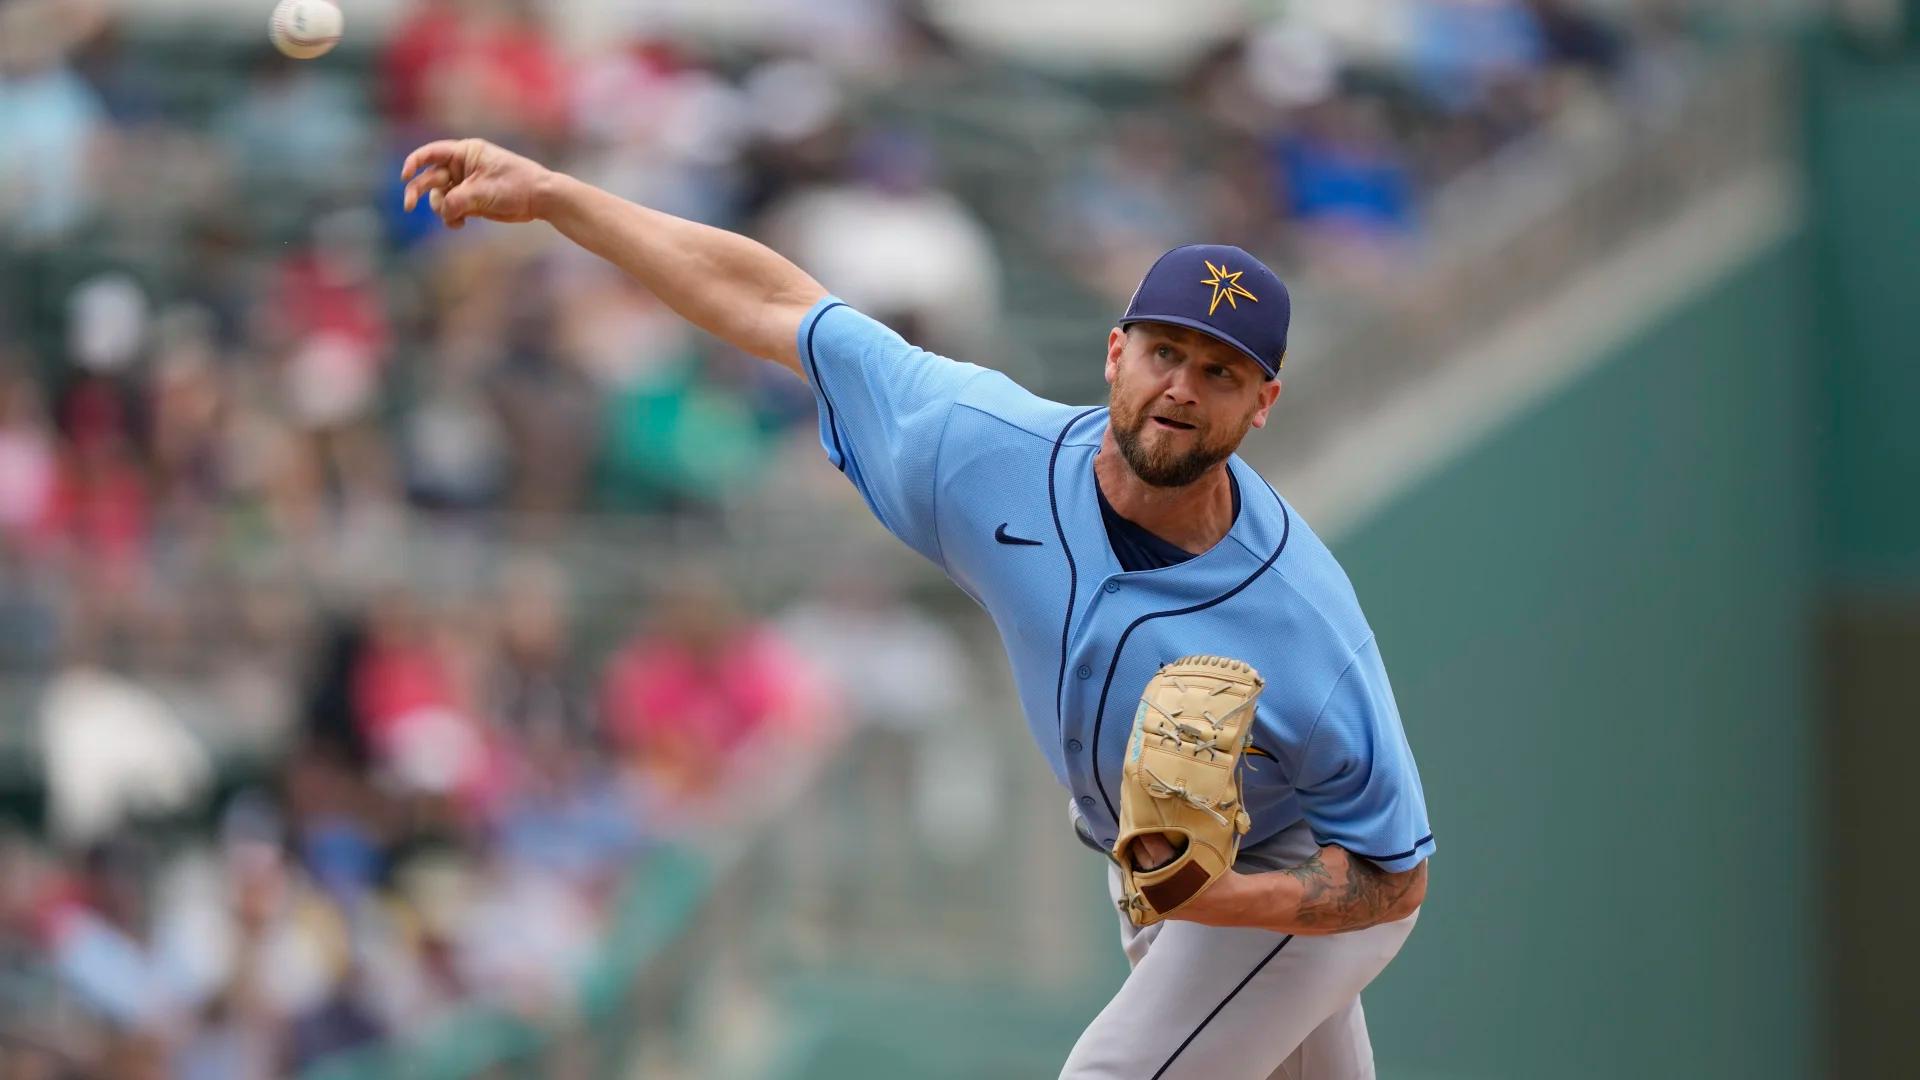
(729, 285)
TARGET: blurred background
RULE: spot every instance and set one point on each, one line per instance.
(422, 656)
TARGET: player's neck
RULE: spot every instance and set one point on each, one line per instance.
(1193, 518)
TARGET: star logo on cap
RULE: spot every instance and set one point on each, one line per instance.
(1225, 286)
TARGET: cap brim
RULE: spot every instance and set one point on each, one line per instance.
(1213, 332)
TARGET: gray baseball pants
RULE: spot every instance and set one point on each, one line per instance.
(1237, 1004)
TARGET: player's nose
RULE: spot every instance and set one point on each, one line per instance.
(1182, 385)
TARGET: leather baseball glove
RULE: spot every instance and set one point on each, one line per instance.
(1181, 779)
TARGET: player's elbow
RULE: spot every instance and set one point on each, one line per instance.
(1414, 891)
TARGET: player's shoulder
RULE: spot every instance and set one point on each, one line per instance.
(993, 401)
(834, 326)
(1304, 573)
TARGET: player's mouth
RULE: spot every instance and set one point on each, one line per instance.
(1171, 425)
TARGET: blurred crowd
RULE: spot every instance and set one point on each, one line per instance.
(466, 795)
(236, 379)
(221, 338)
(1318, 136)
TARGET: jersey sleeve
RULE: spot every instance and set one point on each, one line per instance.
(1357, 783)
(883, 407)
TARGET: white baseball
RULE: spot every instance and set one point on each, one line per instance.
(304, 29)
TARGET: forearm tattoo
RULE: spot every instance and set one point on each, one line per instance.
(1351, 894)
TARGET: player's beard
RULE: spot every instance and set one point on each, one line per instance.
(1160, 464)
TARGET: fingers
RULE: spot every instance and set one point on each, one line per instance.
(1151, 851)
(444, 152)
(457, 202)
(453, 201)
(441, 200)
(433, 181)
(456, 176)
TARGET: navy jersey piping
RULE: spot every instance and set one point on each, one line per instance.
(1191, 1035)
(1414, 850)
(1073, 573)
(933, 501)
(813, 365)
(1021, 427)
(1113, 664)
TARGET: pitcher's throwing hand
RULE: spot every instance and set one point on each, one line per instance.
(465, 178)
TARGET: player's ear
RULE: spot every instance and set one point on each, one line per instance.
(1269, 393)
(1116, 346)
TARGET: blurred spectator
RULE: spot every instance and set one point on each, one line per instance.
(30, 611)
(907, 679)
(107, 324)
(487, 67)
(1339, 178)
(896, 246)
(1572, 35)
(452, 448)
(347, 1019)
(547, 408)
(1339, 171)
(51, 123)
(29, 465)
(188, 410)
(685, 697)
(531, 690)
(294, 128)
(1124, 203)
(676, 443)
(522, 936)
(895, 666)
(417, 713)
(1462, 49)
(329, 315)
(114, 750)
(574, 816)
(102, 936)
(660, 129)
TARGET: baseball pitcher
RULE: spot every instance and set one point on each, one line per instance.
(1190, 658)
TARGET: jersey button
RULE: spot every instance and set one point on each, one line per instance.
(1087, 800)
(1083, 671)
(1113, 586)
(1073, 746)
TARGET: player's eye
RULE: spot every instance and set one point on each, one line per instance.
(1220, 371)
(1164, 352)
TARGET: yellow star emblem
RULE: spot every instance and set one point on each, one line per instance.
(1225, 285)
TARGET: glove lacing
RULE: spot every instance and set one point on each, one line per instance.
(1181, 733)
(1160, 789)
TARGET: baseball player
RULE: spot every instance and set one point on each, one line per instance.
(1105, 543)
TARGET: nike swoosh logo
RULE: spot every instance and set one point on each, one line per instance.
(1001, 535)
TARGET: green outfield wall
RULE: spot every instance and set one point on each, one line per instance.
(1598, 627)
(1863, 153)
(1655, 642)
(1863, 143)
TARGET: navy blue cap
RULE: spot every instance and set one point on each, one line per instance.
(1221, 291)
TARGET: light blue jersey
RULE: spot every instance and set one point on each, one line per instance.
(996, 486)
